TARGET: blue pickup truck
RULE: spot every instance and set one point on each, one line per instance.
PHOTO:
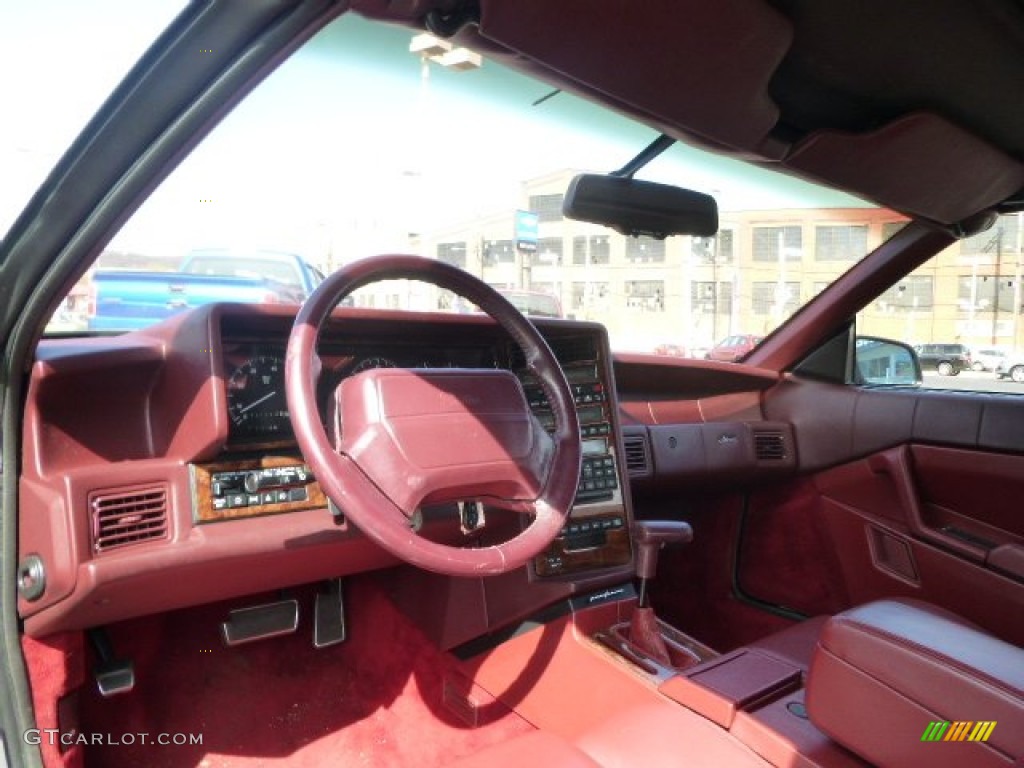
(125, 301)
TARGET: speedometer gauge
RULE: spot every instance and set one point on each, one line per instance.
(257, 404)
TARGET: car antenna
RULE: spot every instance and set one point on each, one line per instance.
(647, 154)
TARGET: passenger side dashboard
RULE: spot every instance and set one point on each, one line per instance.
(698, 423)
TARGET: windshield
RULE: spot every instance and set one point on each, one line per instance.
(373, 140)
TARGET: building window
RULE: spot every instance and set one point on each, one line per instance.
(847, 242)
(547, 207)
(725, 246)
(645, 249)
(452, 253)
(912, 292)
(646, 295)
(549, 251)
(769, 295)
(713, 250)
(600, 249)
(767, 241)
(890, 228)
(499, 251)
(703, 249)
(982, 290)
(704, 299)
(1000, 238)
(585, 295)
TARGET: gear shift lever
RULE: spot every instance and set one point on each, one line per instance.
(650, 536)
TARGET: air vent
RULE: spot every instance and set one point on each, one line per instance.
(120, 518)
(770, 446)
(638, 455)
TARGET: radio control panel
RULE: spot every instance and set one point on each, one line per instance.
(252, 487)
(596, 535)
(599, 472)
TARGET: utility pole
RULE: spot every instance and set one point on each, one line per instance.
(974, 297)
(999, 262)
(780, 287)
(1017, 277)
(686, 279)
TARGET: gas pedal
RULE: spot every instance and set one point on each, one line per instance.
(329, 616)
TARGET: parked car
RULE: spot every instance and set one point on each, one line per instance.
(668, 349)
(384, 535)
(986, 358)
(129, 300)
(732, 348)
(1011, 366)
(947, 359)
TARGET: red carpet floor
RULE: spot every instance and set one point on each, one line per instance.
(374, 700)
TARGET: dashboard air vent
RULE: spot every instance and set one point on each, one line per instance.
(770, 446)
(124, 517)
(638, 455)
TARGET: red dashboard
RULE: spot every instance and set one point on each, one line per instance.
(161, 470)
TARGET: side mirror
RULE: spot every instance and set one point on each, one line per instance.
(633, 207)
(884, 361)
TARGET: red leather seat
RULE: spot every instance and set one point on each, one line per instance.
(884, 671)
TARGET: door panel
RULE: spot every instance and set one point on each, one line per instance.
(873, 557)
(919, 492)
(987, 488)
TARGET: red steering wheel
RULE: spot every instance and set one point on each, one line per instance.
(401, 438)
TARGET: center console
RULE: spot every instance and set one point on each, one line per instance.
(597, 532)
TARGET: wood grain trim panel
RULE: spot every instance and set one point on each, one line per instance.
(202, 490)
(559, 560)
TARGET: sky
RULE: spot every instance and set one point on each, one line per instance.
(331, 143)
(58, 62)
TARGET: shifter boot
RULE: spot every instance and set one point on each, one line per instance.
(645, 635)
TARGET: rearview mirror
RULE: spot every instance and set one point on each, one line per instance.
(883, 361)
(633, 207)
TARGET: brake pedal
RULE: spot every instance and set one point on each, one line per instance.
(329, 616)
(113, 676)
(260, 622)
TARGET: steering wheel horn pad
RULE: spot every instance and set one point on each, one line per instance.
(407, 437)
(429, 436)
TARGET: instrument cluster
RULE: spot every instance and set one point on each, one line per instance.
(255, 384)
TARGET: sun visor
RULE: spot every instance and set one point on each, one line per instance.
(718, 92)
(920, 164)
